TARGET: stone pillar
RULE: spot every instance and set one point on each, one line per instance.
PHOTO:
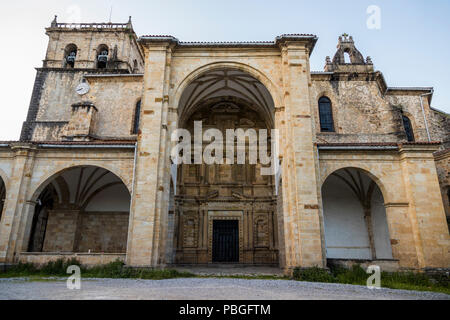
(301, 216)
(426, 210)
(152, 177)
(16, 207)
(402, 238)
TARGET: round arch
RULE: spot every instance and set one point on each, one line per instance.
(334, 103)
(224, 96)
(415, 129)
(43, 182)
(85, 198)
(364, 169)
(258, 75)
(355, 220)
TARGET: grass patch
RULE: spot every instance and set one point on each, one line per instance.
(313, 275)
(114, 270)
(117, 270)
(358, 276)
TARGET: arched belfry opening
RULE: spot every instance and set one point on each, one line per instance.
(102, 56)
(81, 210)
(355, 217)
(226, 212)
(70, 56)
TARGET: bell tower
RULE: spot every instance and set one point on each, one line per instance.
(348, 58)
(74, 51)
(93, 46)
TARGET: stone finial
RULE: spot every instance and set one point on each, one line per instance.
(328, 60)
(369, 60)
(346, 38)
(55, 22)
(129, 24)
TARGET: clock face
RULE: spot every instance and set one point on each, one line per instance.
(82, 88)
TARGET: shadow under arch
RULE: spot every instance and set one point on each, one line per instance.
(355, 220)
(225, 96)
(91, 202)
(43, 183)
(375, 178)
(215, 66)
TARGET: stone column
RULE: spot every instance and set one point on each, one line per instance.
(16, 207)
(145, 245)
(301, 215)
(426, 209)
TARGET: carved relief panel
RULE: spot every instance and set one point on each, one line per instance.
(190, 230)
(261, 231)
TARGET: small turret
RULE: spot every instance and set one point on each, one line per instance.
(348, 58)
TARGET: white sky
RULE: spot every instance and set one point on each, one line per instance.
(411, 48)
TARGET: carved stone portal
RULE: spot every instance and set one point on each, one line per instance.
(207, 193)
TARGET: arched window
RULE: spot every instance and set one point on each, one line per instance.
(137, 117)
(70, 55)
(326, 115)
(408, 128)
(2, 197)
(102, 57)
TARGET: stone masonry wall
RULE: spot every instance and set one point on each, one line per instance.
(60, 233)
(69, 231)
(443, 171)
(59, 95)
(116, 99)
(409, 104)
(363, 114)
(440, 128)
(104, 232)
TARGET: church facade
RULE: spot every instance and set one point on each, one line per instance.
(363, 168)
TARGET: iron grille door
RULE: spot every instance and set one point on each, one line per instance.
(226, 241)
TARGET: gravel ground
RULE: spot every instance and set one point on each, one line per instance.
(200, 289)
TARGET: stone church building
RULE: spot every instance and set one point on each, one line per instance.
(364, 167)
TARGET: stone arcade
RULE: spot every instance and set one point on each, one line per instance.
(364, 166)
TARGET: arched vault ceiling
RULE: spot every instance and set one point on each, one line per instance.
(79, 186)
(226, 83)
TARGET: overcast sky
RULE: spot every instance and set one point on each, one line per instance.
(411, 48)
